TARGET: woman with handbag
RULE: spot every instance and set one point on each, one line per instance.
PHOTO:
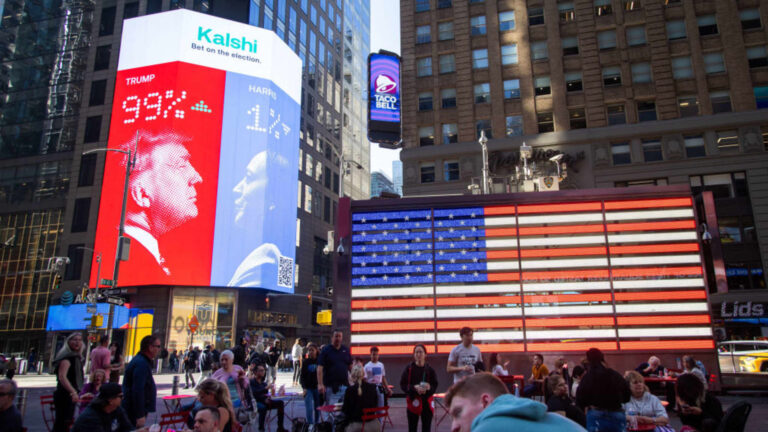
(419, 382)
(233, 376)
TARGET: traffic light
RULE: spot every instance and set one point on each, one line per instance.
(97, 321)
(309, 298)
(56, 281)
(266, 300)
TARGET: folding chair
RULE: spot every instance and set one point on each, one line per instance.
(51, 415)
(373, 414)
(173, 419)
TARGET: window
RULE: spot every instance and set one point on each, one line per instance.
(612, 76)
(573, 81)
(101, 61)
(483, 93)
(450, 133)
(688, 105)
(80, 215)
(646, 111)
(676, 30)
(154, 6)
(98, 92)
(636, 36)
(92, 129)
(421, 5)
(606, 39)
(727, 185)
(694, 146)
(641, 72)
(750, 19)
(447, 63)
(542, 86)
(479, 58)
(424, 66)
(509, 54)
(512, 89)
(761, 97)
(567, 13)
(603, 7)
(448, 98)
(426, 136)
(506, 20)
(423, 34)
(620, 153)
(425, 101)
(107, 22)
(570, 46)
(131, 10)
(681, 67)
(484, 126)
(87, 170)
(514, 126)
(477, 25)
(757, 56)
(728, 141)
(616, 115)
(721, 102)
(652, 150)
(545, 122)
(442, 4)
(577, 118)
(427, 173)
(645, 182)
(714, 63)
(75, 253)
(707, 25)
(445, 30)
(451, 170)
(535, 16)
(539, 50)
(632, 5)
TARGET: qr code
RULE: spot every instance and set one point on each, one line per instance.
(285, 272)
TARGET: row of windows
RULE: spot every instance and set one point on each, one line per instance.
(616, 114)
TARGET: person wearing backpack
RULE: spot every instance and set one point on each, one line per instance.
(206, 363)
(190, 366)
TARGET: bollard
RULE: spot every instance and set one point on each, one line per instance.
(175, 389)
(159, 366)
(21, 403)
(40, 367)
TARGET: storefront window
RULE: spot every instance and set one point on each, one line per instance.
(214, 312)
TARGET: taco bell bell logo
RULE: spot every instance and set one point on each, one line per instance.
(386, 89)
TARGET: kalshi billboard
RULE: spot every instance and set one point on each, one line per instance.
(211, 108)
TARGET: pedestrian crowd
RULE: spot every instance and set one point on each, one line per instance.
(239, 384)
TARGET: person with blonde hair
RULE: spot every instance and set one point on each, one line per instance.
(214, 394)
(358, 396)
(643, 406)
(68, 367)
(91, 388)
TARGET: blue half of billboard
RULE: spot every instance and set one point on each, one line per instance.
(76, 317)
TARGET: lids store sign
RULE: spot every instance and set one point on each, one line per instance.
(742, 310)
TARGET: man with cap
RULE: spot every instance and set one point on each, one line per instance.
(104, 413)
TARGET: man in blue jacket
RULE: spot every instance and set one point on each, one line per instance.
(139, 391)
(480, 403)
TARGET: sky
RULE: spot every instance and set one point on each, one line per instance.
(385, 34)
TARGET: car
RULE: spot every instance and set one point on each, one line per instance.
(743, 363)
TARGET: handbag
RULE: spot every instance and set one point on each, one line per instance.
(416, 405)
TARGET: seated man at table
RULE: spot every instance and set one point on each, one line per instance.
(646, 407)
(480, 403)
(260, 390)
(653, 367)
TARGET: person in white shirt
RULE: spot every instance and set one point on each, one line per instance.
(376, 374)
(296, 358)
(464, 356)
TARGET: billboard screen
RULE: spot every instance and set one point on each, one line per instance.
(384, 100)
(211, 108)
(76, 316)
(616, 274)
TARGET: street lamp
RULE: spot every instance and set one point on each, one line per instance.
(486, 172)
(344, 166)
(130, 162)
(98, 261)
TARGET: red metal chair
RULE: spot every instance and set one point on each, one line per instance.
(173, 419)
(48, 413)
(373, 414)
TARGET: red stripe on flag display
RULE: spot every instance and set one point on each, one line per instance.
(649, 203)
(668, 345)
(663, 319)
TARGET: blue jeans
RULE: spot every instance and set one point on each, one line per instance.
(606, 421)
(332, 397)
(311, 402)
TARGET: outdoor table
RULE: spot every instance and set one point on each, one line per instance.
(173, 402)
(288, 399)
(330, 411)
(643, 427)
(439, 398)
(660, 379)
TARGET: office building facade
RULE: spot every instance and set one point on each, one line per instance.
(632, 92)
(59, 64)
(380, 183)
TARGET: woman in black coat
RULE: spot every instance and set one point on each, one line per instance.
(419, 382)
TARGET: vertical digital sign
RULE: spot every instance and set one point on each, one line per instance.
(384, 124)
(211, 108)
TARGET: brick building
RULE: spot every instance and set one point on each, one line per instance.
(633, 92)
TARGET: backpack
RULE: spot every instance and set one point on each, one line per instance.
(206, 362)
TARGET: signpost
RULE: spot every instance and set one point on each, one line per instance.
(115, 301)
(193, 324)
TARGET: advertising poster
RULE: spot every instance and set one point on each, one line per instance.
(211, 109)
(384, 103)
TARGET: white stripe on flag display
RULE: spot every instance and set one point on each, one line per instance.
(555, 273)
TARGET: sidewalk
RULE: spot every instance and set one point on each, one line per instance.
(38, 385)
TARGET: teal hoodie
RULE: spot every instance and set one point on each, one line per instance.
(509, 413)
